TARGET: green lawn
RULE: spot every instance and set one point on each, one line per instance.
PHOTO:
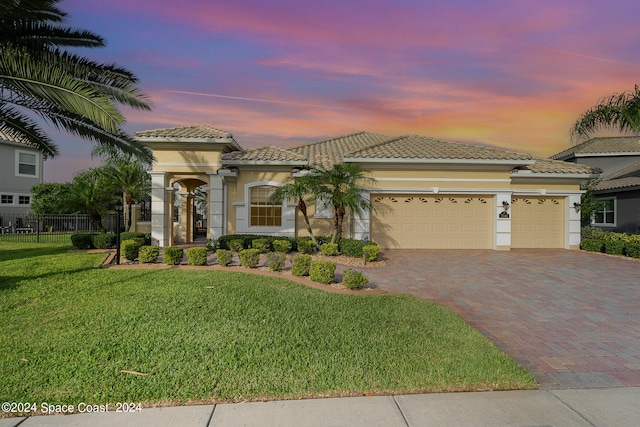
(68, 329)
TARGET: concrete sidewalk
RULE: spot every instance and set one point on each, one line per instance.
(584, 407)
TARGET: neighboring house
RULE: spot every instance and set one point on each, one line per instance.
(429, 193)
(619, 159)
(20, 169)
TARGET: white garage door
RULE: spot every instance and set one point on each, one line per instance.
(537, 222)
(432, 222)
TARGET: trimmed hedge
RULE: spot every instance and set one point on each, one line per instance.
(329, 249)
(172, 255)
(282, 246)
(352, 247)
(148, 254)
(370, 252)
(305, 246)
(301, 264)
(353, 279)
(322, 271)
(129, 248)
(223, 257)
(250, 258)
(595, 240)
(197, 256)
(262, 245)
(236, 245)
(592, 245)
(82, 241)
(128, 235)
(104, 240)
(275, 260)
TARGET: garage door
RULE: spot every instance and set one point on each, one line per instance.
(432, 222)
(537, 222)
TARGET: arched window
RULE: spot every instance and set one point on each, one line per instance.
(264, 213)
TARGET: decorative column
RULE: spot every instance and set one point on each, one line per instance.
(216, 210)
(362, 221)
(161, 205)
(503, 222)
(574, 220)
(186, 217)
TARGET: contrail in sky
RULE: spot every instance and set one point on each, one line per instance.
(269, 101)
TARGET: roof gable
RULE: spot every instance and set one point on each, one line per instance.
(621, 145)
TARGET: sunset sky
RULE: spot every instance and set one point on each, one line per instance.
(515, 73)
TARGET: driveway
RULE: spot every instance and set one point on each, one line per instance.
(569, 317)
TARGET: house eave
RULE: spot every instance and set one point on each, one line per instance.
(219, 141)
(487, 162)
(612, 154)
(265, 162)
(525, 174)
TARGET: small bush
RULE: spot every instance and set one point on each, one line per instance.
(129, 248)
(172, 255)
(614, 243)
(632, 247)
(282, 246)
(82, 241)
(236, 245)
(128, 235)
(250, 257)
(261, 244)
(370, 252)
(353, 279)
(591, 233)
(148, 254)
(592, 245)
(329, 249)
(322, 271)
(103, 240)
(305, 246)
(301, 265)
(212, 245)
(224, 257)
(197, 256)
(275, 260)
(352, 247)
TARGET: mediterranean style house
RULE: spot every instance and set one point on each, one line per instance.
(428, 193)
(20, 169)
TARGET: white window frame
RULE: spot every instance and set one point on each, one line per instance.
(36, 164)
(24, 204)
(613, 212)
(13, 198)
(323, 210)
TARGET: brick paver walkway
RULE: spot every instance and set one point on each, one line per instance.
(571, 318)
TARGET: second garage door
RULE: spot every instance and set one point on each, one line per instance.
(432, 222)
(537, 222)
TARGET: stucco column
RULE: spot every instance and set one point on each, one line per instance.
(186, 217)
(161, 215)
(503, 222)
(362, 221)
(217, 206)
(574, 218)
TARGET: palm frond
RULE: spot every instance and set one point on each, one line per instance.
(33, 33)
(22, 129)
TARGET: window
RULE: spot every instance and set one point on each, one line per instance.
(323, 208)
(606, 214)
(24, 200)
(6, 199)
(26, 164)
(264, 213)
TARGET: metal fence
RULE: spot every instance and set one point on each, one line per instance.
(35, 228)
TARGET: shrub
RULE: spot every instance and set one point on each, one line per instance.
(591, 233)
(353, 279)
(103, 240)
(301, 264)
(212, 245)
(370, 252)
(305, 246)
(275, 260)
(261, 244)
(322, 271)
(128, 235)
(632, 247)
(329, 249)
(352, 247)
(236, 245)
(282, 246)
(172, 255)
(592, 245)
(148, 254)
(129, 248)
(224, 257)
(197, 256)
(614, 243)
(250, 257)
(82, 241)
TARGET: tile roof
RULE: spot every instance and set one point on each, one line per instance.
(190, 132)
(265, 154)
(420, 147)
(608, 145)
(8, 138)
(626, 178)
(559, 166)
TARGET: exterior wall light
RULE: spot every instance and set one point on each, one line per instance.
(505, 205)
(577, 206)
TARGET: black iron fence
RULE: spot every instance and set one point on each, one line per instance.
(50, 228)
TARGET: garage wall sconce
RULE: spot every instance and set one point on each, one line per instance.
(577, 206)
(505, 205)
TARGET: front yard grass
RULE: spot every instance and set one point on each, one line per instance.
(71, 332)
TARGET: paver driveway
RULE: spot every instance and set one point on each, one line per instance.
(569, 317)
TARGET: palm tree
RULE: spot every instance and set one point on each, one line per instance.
(619, 110)
(91, 192)
(68, 91)
(299, 189)
(339, 187)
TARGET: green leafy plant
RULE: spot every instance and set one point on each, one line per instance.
(353, 279)
(127, 235)
(129, 248)
(614, 243)
(148, 254)
(592, 245)
(275, 260)
(250, 257)
(329, 249)
(322, 271)
(103, 240)
(305, 246)
(172, 255)
(352, 247)
(370, 252)
(236, 245)
(197, 256)
(632, 247)
(212, 244)
(261, 244)
(282, 246)
(223, 257)
(82, 241)
(301, 264)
